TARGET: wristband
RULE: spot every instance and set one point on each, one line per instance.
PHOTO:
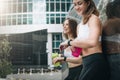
(65, 58)
(69, 42)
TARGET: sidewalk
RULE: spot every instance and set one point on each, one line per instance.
(2, 79)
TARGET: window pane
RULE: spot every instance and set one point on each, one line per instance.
(24, 0)
(63, 20)
(52, 20)
(29, 0)
(56, 39)
(58, 20)
(47, 8)
(51, 6)
(57, 6)
(8, 20)
(14, 20)
(14, 8)
(63, 6)
(53, 44)
(24, 20)
(30, 7)
(25, 7)
(57, 44)
(29, 20)
(68, 6)
(47, 20)
(19, 19)
(19, 7)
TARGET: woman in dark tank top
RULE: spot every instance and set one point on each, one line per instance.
(111, 38)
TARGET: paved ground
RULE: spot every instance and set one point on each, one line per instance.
(2, 79)
(38, 76)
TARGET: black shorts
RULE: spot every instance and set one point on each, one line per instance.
(74, 73)
(95, 67)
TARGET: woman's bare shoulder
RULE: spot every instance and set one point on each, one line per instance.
(93, 20)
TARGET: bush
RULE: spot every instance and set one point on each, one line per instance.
(5, 68)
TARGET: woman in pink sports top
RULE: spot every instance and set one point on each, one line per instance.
(72, 55)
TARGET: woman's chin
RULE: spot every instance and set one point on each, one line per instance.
(79, 13)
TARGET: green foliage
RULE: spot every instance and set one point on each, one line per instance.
(5, 64)
(5, 68)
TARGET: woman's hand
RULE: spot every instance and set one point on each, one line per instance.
(58, 59)
(63, 45)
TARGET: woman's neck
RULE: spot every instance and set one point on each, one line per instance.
(70, 36)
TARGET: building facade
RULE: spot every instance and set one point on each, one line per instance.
(23, 16)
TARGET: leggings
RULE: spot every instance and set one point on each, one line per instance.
(74, 73)
(114, 63)
(95, 67)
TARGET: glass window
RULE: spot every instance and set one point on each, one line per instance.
(52, 15)
(19, 0)
(58, 20)
(19, 19)
(29, 20)
(57, 6)
(63, 19)
(9, 8)
(0, 22)
(68, 6)
(53, 44)
(19, 7)
(69, 0)
(47, 8)
(58, 15)
(63, 6)
(25, 7)
(3, 20)
(24, 0)
(57, 44)
(52, 20)
(30, 8)
(56, 40)
(25, 19)
(58, 37)
(29, 0)
(51, 6)
(63, 15)
(14, 20)
(47, 20)
(8, 20)
(14, 8)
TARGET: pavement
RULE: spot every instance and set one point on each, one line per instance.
(39, 76)
(2, 79)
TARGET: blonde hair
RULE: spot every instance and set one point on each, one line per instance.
(91, 9)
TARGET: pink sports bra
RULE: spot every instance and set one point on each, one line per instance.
(76, 52)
